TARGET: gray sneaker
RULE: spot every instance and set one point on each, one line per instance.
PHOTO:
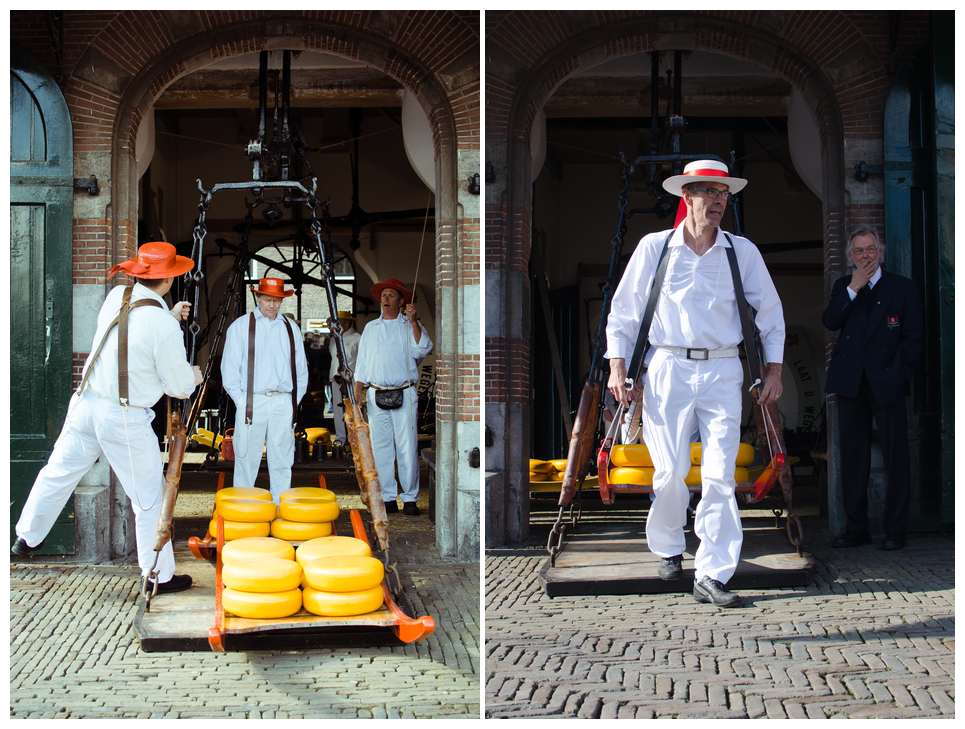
(671, 568)
(712, 591)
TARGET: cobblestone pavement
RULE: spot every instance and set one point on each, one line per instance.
(872, 636)
(74, 654)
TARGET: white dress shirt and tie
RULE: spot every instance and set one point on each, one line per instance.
(272, 420)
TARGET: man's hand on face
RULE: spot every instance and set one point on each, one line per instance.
(863, 273)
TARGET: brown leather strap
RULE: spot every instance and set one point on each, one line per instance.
(249, 408)
(121, 319)
(291, 341)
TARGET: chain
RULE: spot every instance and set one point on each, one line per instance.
(196, 275)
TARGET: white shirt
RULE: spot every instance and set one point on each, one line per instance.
(697, 307)
(273, 369)
(389, 355)
(156, 360)
(350, 339)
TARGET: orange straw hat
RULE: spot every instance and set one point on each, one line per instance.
(272, 287)
(154, 260)
(392, 283)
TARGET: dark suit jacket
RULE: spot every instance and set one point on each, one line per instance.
(884, 345)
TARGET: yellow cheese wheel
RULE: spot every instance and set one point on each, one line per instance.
(251, 547)
(631, 456)
(559, 464)
(242, 492)
(246, 509)
(309, 492)
(330, 547)
(644, 476)
(745, 454)
(541, 466)
(693, 476)
(308, 510)
(240, 529)
(262, 605)
(556, 476)
(343, 573)
(340, 604)
(631, 476)
(296, 531)
(262, 574)
(538, 476)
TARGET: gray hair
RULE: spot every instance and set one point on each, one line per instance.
(864, 230)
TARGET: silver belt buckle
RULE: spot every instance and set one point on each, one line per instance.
(691, 351)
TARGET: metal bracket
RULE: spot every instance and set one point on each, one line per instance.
(862, 170)
(83, 183)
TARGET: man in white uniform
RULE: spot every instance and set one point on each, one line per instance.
(350, 339)
(694, 374)
(390, 351)
(99, 423)
(267, 410)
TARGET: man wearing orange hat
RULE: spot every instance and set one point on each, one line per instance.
(111, 412)
(694, 374)
(390, 351)
(265, 372)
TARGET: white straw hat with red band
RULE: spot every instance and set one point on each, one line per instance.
(704, 170)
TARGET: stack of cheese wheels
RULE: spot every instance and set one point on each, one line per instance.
(540, 470)
(305, 514)
(247, 512)
(258, 573)
(634, 467)
(340, 577)
(262, 587)
(559, 467)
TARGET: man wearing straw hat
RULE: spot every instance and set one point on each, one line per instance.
(390, 351)
(694, 376)
(111, 412)
(265, 372)
(350, 339)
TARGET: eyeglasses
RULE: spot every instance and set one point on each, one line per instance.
(862, 251)
(713, 193)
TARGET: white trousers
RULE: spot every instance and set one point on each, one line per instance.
(338, 412)
(271, 423)
(395, 441)
(96, 427)
(681, 395)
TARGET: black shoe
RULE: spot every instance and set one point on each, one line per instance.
(893, 541)
(710, 590)
(410, 509)
(178, 583)
(671, 568)
(852, 539)
(22, 549)
(391, 507)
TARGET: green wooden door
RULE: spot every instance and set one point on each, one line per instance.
(41, 207)
(919, 223)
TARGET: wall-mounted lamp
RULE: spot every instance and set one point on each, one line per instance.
(474, 184)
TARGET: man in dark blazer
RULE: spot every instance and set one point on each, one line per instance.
(879, 316)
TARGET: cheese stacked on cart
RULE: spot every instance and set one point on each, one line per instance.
(247, 512)
(340, 577)
(547, 470)
(633, 466)
(262, 587)
(305, 514)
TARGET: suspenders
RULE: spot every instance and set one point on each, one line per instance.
(121, 321)
(249, 400)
